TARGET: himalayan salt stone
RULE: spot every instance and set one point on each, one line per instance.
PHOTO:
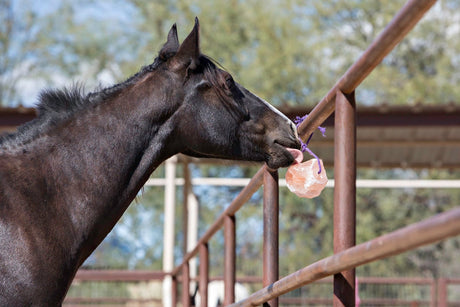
(303, 178)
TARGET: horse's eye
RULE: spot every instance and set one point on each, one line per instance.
(229, 82)
(203, 85)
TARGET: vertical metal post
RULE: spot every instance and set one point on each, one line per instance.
(442, 292)
(173, 290)
(271, 230)
(192, 232)
(344, 192)
(229, 259)
(190, 222)
(168, 232)
(186, 285)
(186, 266)
(186, 188)
(204, 274)
(433, 293)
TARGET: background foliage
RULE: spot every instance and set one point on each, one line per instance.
(289, 52)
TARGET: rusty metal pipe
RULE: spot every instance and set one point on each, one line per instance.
(394, 32)
(186, 285)
(428, 231)
(442, 292)
(271, 230)
(229, 259)
(204, 274)
(433, 294)
(344, 193)
(173, 291)
(236, 204)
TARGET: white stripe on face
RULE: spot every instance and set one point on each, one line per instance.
(271, 107)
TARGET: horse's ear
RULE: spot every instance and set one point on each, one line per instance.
(189, 51)
(172, 44)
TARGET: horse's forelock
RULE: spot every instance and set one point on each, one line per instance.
(213, 73)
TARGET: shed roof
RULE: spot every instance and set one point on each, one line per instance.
(418, 136)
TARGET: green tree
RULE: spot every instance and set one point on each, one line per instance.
(20, 43)
(289, 52)
(47, 44)
(421, 69)
(292, 52)
(257, 41)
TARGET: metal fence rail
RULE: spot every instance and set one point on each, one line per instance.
(428, 231)
(431, 292)
(395, 31)
(347, 256)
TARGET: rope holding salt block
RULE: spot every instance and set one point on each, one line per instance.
(304, 180)
(307, 179)
(304, 146)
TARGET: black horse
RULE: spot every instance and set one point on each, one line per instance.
(67, 177)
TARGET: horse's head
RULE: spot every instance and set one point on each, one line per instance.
(218, 117)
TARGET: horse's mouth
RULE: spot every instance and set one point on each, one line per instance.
(283, 155)
(296, 154)
(279, 154)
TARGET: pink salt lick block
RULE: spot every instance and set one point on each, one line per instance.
(303, 178)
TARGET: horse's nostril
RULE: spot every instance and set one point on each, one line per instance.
(297, 143)
(288, 142)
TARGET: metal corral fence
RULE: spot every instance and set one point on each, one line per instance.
(115, 288)
(341, 99)
(143, 288)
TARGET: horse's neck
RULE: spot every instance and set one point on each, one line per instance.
(97, 163)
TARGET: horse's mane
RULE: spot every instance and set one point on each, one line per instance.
(61, 103)
(57, 105)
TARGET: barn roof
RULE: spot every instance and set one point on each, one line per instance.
(420, 136)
